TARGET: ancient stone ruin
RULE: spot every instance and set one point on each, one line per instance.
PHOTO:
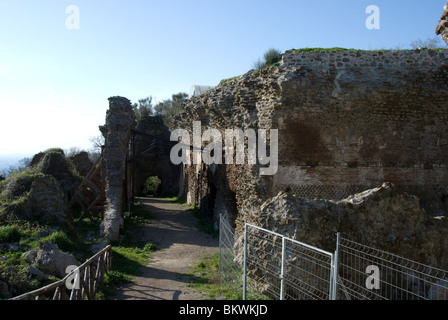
(119, 121)
(132, 152)
(442, 27)
(362, 141)
(348, 121)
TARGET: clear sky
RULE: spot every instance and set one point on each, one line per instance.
(55, 79)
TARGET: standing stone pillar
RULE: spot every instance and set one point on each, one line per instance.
(120, 120)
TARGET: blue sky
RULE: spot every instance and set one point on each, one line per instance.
(55, 81)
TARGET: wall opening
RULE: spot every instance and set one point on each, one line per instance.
(151, 187)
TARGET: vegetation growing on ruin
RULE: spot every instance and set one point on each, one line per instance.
(165, 109)
(21, 231)
(204, 277)
(227, 80)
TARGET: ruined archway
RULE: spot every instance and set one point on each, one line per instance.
(132, 152)
(150, 156)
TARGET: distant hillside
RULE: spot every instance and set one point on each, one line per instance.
(7, 160)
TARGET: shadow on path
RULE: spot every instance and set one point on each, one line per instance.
(180, 246)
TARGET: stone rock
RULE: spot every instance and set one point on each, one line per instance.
(39, 275)
(57, 165)
(49, 260)
(380, 217)
(13, 247)
(120, 119)
(82, 163)
(45, 202)
(442, 27)
(48, 204)
(343, 118)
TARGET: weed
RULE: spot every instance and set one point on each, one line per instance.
(10, 233)
(227, 80)
(64, 242)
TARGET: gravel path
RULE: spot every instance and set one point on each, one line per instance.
(180, 246)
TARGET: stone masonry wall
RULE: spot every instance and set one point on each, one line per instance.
(442, 27)
(362, 118)
(347, 120)
(119, 122)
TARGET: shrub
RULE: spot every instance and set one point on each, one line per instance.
(55, 150)
(64, 242)
(259, 64)
(272, 56)
(115, 277)
(17, 184)
(10, 233)
(227, 80)
(151, 185)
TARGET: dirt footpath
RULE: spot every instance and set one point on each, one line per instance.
(180, 246)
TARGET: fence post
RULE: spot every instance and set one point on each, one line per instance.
(282, 288)
(334, 295)
(245, 260)
(220, 241)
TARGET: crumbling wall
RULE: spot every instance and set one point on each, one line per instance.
(442, 27)
(361, 118)
(120, 119)
(347, 121)
(381, 217)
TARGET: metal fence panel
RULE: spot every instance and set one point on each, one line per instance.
(283, 268)
(370, 274)
(229, 269)
(277, 267)
(307, 272)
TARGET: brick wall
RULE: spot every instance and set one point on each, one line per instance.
(351, 119)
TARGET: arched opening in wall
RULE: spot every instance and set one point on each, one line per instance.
(211, 200)
(231, 208)
(151, 186)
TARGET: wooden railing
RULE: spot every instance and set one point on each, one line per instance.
(87, 277)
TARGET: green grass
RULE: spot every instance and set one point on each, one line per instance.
(64, 242)
(227, 80)
(334, 49)
(338, 49)
(130, 254)
(204, 277)
(10, 233)
(205, 223)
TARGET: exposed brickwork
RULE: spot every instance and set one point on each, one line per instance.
(350, 117)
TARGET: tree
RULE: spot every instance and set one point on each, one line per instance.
(143, 108)
(97, 142)
(429, 43)
(72, 151)
(168, 108)
(97, 147)
(21, 166)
